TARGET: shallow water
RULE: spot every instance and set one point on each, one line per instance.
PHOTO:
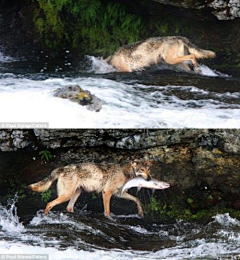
(163, 97)
(84, 235)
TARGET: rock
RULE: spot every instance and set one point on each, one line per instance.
(228, 140)
(83, 97)
(12, 140)
(222, 9)
(226, 10)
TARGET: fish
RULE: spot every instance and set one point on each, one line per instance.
(142, 183)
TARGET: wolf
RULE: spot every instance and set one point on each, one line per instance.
(93, 177)
(173, 50)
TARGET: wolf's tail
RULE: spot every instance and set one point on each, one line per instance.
(201, 54)
(46, 183)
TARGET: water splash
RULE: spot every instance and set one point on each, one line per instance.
(99, 65)
(9, 220)
(226, 220)
(206, 71)
(51, 218)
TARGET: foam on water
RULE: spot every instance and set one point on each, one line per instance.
(124, 105)
(226, 245)
(200, 249)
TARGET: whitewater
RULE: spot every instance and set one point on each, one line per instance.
(64, 236)
(158, 98)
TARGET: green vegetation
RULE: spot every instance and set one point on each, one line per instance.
(153, 205)
(94, 26)
(159, 210)
(189, 200)
(45, 196)
(94, 196)
(47, 155)
(99, 27)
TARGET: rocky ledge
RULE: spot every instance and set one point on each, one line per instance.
(222, 9)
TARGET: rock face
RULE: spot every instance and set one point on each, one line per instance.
(222, 9)
(228, 140)
(80, 96)
(225, 10)
(12, 140)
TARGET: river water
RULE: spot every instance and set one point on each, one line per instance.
(159, 97)
(84, 235)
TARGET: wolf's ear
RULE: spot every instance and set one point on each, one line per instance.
(134, 163)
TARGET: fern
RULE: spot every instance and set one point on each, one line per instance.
(47, 155)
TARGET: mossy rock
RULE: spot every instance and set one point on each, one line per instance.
(83, 97)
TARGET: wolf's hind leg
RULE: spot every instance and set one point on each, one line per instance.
(66, 191)
(73, 200)
(127, 196)
(66, 186)
(62, 198)
(177, 60)
(107, 194)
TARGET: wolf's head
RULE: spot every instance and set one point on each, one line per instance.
(141, 168)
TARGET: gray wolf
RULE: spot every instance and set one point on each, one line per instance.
(171, 49)
(93, 177)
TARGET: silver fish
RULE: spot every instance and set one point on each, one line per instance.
(142, 183)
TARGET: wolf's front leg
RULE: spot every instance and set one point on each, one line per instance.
(127, 196)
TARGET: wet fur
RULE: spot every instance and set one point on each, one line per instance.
(172, 50)
(92, 177)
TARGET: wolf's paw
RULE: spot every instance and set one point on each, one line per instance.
(110, 216)
(140, 216)
(70, 210)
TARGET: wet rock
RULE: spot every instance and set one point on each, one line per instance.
(83, 97)
(223, 10)
(230, 140)
(12, 140)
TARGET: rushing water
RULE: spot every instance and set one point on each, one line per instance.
(86, 236)
(157, 98)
